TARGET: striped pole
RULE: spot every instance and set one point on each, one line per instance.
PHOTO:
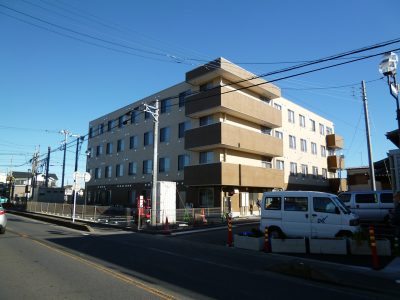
(230, 238)
(374, 252)
(266, 240)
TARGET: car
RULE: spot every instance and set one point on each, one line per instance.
(3, 199)
(3, 220)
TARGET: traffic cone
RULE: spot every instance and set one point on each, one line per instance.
(166, 227)
(203, 215)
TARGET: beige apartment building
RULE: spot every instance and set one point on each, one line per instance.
(225, 136)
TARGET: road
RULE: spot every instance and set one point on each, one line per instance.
(43, 261)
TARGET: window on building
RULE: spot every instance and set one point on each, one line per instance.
(109, 148)
(135, 116)
(164, 134)
(304, 170)
(314, 148)
(302, 120)
(108, 172)
(331, 152)
(89, 153)
(206, 120)
(182, 127)
(323, 151)
(321, 129)
(265, 99)
(97, 173)
(266, 164)
(147, 166)
(132, 168)
(206, 86)
(183, 161)
(277, 106)
(291, 116)
(148, 138)
(329, 130)
(101, 128)
(163, 165)
(280, 165)
(90, 132)
(119, 170)
(315, 172)
(292, 142)
(166, 106)
(121, 122)
(293, 168)
(278, 134)
(324, 173)
(133, 142)
(206, 197)
(303, 144)
(99, 150)
(312, 125)
(120, 145)
(110, 125)
(206, 157)
(182, 97)
(266, 130)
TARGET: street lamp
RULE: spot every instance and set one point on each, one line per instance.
(388, 68)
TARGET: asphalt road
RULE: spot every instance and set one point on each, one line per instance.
(43, 261)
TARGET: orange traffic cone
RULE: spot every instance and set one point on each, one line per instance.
(203, 215)
(166, 227)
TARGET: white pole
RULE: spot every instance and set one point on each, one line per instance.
(155, 167)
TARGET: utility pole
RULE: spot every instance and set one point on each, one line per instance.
(47, 167)
(66, 133)
(34, 170)
(370, 159)
(78, 138)
(154, 111)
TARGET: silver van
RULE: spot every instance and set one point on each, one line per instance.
(369, 205)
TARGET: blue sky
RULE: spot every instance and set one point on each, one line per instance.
(50, 82)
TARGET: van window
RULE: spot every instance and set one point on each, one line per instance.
(386, 198)
(296, 203)
(366, 198)
(273, 203)
(345, 197)
(324, 205)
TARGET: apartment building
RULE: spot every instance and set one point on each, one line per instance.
(223, 137)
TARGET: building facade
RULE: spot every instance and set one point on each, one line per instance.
(223, 137)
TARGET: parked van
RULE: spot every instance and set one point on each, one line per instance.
(306, 214)
(368, 205)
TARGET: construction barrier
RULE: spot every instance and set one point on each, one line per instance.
(230, 237)
(374, 252)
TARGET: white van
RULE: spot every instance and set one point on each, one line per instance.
(369, 205)
(306, 214)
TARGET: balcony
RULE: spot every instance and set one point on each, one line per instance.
(235, 104)
(233, 175)
(334, 141)
(335, 162)
(222, 135)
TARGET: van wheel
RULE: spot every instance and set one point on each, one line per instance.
(276, 233)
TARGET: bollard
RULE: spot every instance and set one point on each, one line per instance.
(230, 238)
(374, 252)
(396, 246)
(266, 240)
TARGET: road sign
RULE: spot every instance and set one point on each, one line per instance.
(87, 176)
(76, 175)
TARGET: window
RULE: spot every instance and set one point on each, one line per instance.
(323, 151)
(110, 125)
(266, 164)
(324, 205)
(329, 130)
(293, 168)
(206, 157)
(108, 172)
(278, 134)
(278, 106)
(182, 97)
(386, 198)
(183, 161)
(314, 148)
(164, 134)
(166, 106)
(147, 166)
(182, 127)
(291, 116)
(90, 132)
(121, 121)
(132, 168)
(321, 129)
(101, 128)
(206, 197)
(133, 142)
(135, 116)
(148, 138)
(292, 142)
(302, 120)
(273, 203)
(324, 173)
(315, 172)
(120, 145)
(206, 120)
(366, 198)
(147, 115)
(119, 170)
(97, 173)
(296, 203)
(266, 130)
(89, 152)
(206, 86)
(109, 148)
(304, 170)
(312, 125)
(280, 165)
(99, 150)
(265, 99)
(303, 144)
(345, 197)
(163, 164)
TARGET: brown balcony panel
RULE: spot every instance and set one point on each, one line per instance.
(232, 175)
(335, 162)
(334, 141)
(222, 135)
(235, 104)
